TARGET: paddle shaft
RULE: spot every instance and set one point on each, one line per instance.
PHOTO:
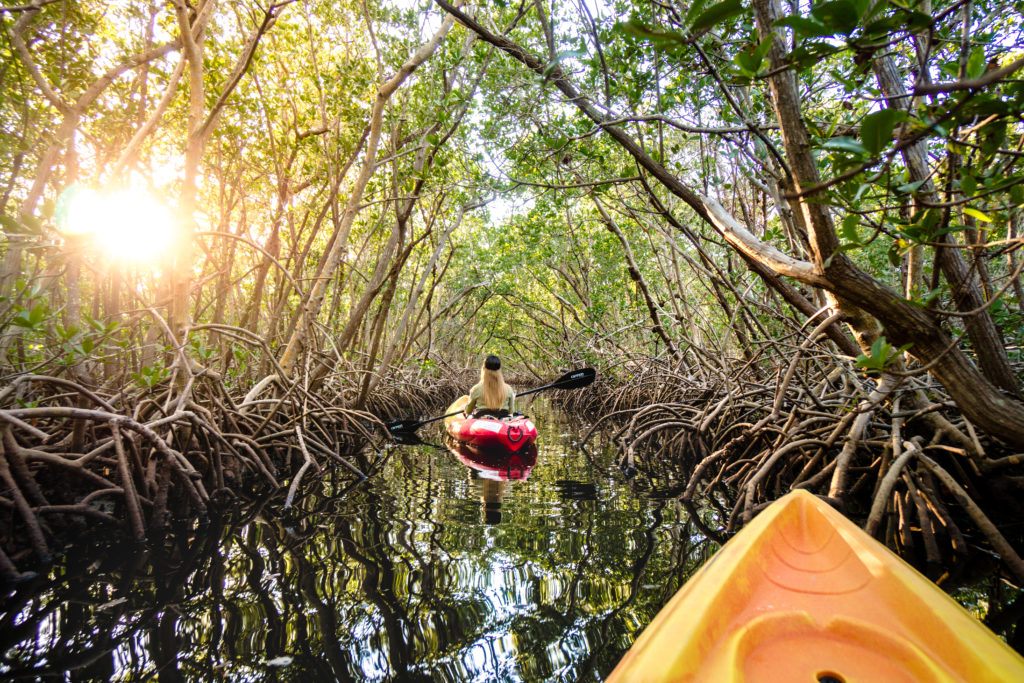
(525, 393)
(570, 380)
(554, 385)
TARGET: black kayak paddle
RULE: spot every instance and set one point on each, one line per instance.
(574, 379)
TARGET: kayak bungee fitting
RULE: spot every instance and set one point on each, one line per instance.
(802, 594)
(509, 434)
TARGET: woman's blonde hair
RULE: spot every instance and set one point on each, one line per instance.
(494, 388)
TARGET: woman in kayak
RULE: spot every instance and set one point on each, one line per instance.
(491, 396)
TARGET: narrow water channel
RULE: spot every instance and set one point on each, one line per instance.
(432, 570)
(436, 569)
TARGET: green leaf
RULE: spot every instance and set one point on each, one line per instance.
(968, 185)
(30, 319)
(976, 62)
(876, 129)
(750, 60)
(980, 215)
(879, 347)
(845, 144)
(908, 188)
(930, 219)
(916, 21)
(716, 14)
(894, 255)
(993, 137)
(840, 16)
(882, 353)
(1017, 195)
(21, 320)
(809, 54)
(861, 6)
(635, 27)
(849, 229)
(808, 27)
(9, 224)
(695, 9)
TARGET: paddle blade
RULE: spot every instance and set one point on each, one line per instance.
(403, 426)
(575, 379)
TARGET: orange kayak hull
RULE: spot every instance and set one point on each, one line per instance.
(803, 594)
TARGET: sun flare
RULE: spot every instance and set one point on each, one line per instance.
(127, 225)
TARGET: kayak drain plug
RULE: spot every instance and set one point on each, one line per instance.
(830, 677)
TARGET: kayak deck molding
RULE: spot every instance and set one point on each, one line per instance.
(802, 595)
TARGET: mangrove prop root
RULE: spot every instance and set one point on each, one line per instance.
(722, 432)
(136, 458)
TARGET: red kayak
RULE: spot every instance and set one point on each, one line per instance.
(510, 434)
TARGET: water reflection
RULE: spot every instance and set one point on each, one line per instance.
(440, 568)
(492, 470)
(496, 464)
(447, 566)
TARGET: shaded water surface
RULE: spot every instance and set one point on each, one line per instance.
(442, 567)
(544, 569)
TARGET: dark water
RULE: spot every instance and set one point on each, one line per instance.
(431, 570)
(436, 569)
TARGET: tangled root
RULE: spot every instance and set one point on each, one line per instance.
(891, 451)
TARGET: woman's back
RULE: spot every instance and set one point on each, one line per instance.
(477, 400)
(491, 392)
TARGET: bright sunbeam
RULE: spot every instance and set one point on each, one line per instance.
(130, 226)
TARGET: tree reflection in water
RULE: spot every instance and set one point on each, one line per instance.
(428, 571)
